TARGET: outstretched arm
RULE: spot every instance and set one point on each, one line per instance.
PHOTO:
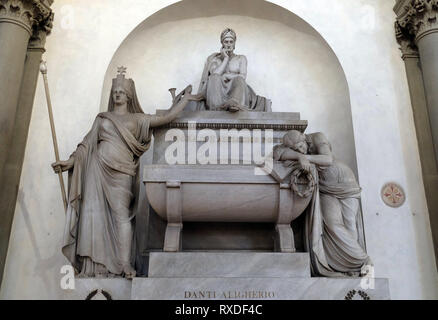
(88, 140)
(179, 104)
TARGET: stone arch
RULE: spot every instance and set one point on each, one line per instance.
(288, 61)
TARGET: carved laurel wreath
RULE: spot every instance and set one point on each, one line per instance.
(95, 292)
(361, 293)
(298, 176)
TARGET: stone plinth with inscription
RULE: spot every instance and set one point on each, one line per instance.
(231, 275)
(258, 276)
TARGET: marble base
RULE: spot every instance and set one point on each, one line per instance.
(255, 289)
(229, 275)
(245, 275)
(230, 264)
(107, 289)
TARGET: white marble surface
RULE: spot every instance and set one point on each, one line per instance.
(253, 289)
(116, 288)
(299, 72)
(228, 265)
(81, 53)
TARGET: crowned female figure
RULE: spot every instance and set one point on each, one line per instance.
(99, 227)
(223, 82)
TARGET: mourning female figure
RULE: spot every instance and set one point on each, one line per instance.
(99, 227)
(334, 231)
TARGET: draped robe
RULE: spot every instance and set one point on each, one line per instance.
(101, 194)
(334, 234)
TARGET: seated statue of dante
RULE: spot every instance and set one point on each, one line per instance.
(223, 82)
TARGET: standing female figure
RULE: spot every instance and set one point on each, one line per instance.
(99, 228)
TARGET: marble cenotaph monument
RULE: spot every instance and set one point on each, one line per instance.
(241, 203)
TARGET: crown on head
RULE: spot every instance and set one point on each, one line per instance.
(120, 80)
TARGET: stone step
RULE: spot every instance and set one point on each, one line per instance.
(229, 264)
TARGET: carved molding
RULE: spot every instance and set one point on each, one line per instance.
(407, 43)
(40, 32)
(300, 126)
(29, 14)
(416, 18)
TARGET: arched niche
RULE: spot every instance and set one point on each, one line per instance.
(288, 61)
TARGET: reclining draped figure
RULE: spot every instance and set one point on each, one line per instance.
(99, 226)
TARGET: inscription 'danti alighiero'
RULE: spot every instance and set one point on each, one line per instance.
(249, 294)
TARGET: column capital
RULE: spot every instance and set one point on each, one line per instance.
(406, 41)
(25, 13)
(40, 32)
(417, 17)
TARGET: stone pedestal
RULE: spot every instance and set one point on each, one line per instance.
(228, 265)
(248, 276)
(256, 289)
(228, 276)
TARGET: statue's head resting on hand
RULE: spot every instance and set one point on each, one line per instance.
(296, 141)
(228, 40)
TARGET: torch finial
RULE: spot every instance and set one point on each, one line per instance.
(43, 67)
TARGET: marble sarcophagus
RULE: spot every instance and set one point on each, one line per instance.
(230, 187)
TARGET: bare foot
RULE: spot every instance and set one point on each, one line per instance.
(129, 271)
(231, 106)
(233, 109)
